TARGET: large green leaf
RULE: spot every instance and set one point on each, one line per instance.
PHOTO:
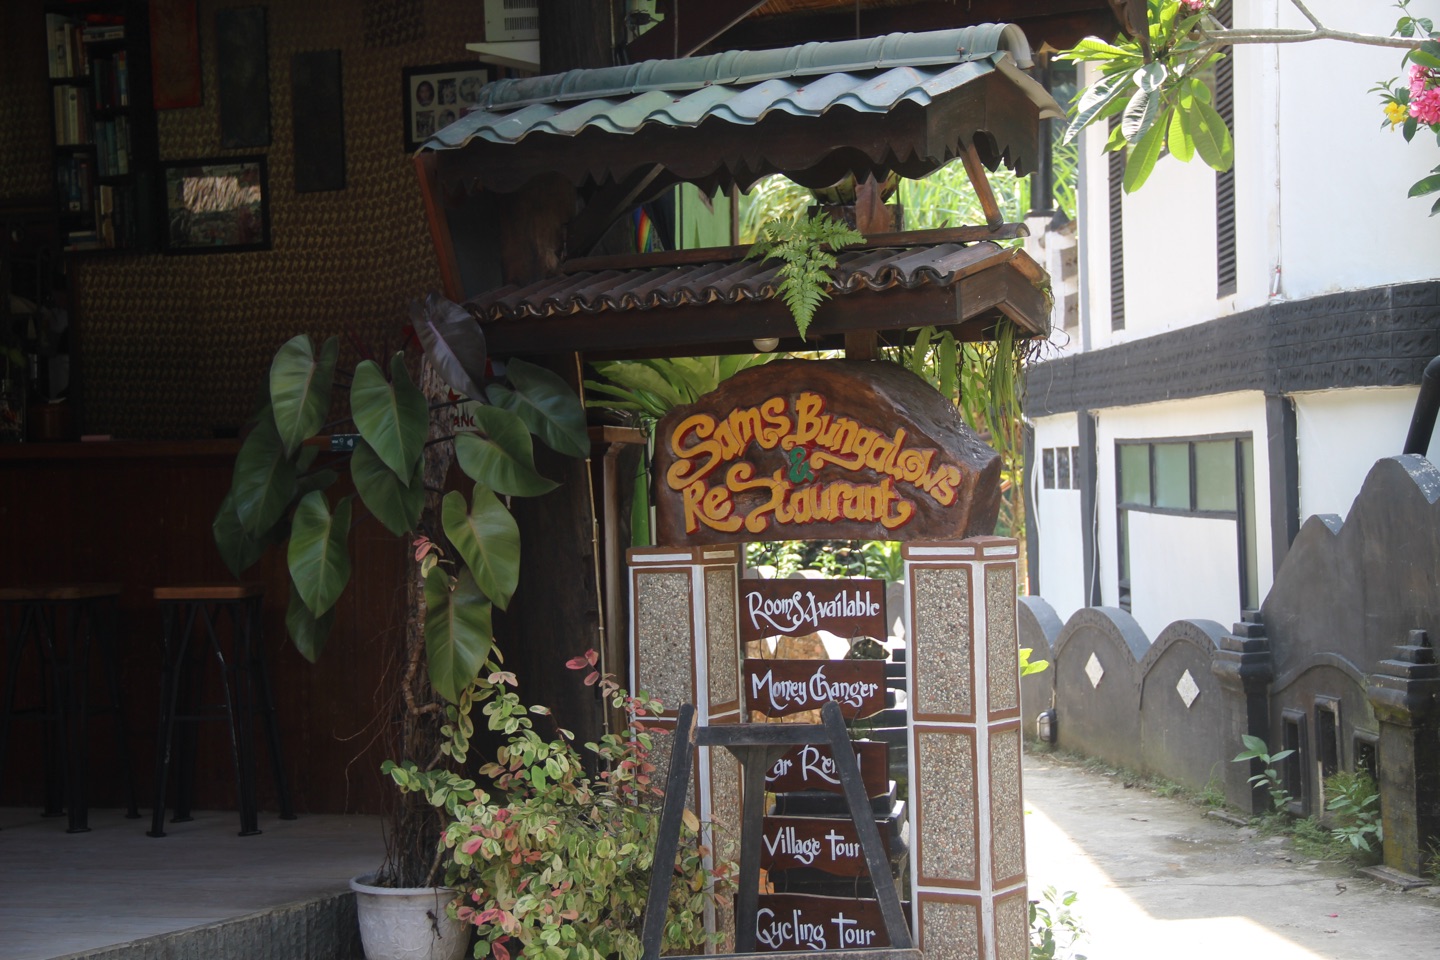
(319, 557)
(1212, 136)
(1143, 157)
(307, 631)
(637, 375)
(300, 386)
(503, 459)
(238, 548)
(1094, 101)
(1139, 115)
(458, 636)
(1178, 136)
(396, 503)
(547, 405)
(488, 540)
(264, 480)
(392, 417)
(453, 341)
(1425, 185)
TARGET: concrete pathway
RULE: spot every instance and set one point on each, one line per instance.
(1157, 878)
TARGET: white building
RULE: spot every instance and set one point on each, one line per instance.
(1245, 345)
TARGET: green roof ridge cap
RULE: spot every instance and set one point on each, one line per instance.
(981, 41)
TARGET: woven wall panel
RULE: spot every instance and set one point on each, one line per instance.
(174, 347)
(24, 104)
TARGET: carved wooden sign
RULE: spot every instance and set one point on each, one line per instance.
(822, 449)
(792, 921)
(794, 608)
(812, 767)
(831, 845)
(779, 688)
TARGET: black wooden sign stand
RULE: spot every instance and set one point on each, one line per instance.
(757, 746)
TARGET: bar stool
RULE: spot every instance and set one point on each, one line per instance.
(193, 613)
(64, 622)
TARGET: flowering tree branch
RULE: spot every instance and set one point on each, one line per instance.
(1224, 36)
(1158, 83)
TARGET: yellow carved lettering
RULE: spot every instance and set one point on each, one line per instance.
(683, 471)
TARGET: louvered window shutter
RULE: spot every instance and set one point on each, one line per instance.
(1225, 275)
(1117, 236)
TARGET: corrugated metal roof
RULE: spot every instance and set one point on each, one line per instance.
(872, 75)
(732, 282)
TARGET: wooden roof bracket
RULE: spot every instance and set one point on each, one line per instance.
(975, 170)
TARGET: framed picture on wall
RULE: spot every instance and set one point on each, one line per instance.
(437, 96)
(221, 205)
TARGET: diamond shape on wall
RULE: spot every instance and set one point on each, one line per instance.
(1187, 689)
(1094, 670)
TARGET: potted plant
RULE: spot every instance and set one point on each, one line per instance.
(398, 464)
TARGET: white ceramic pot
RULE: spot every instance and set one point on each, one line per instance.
(408, 923)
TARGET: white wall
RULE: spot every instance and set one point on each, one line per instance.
(1341, 433)
(1172, 573)
(1182, 568)
(1346, 222)
(1056, 520)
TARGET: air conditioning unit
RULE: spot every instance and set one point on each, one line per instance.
(507, 20)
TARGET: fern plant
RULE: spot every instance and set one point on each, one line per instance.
(804, 280)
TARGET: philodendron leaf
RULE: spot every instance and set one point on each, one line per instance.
(546, 403)
(453, 341)
(238, 548)
(458, 636)
(319, 557)
(503, 459)
(488, 540)
(307, 631)
(392, 417)
(300, 389)
(394, 503)
(264, 478)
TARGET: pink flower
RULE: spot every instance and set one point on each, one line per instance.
(1424, 94)
(1194, 6)
(1426, 107)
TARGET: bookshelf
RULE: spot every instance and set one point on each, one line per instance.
(106, 157)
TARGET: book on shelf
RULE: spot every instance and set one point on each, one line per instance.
(72, 115)
(68, 53)
(105, 214)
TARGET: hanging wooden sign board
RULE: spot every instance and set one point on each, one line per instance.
(780, 688)
(792, 921)
(794, 608)
(819, 450)
(812, 767)
(821, 843)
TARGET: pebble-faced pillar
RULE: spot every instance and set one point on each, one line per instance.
(969, 895)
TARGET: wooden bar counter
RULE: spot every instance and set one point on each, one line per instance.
(139, 514)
